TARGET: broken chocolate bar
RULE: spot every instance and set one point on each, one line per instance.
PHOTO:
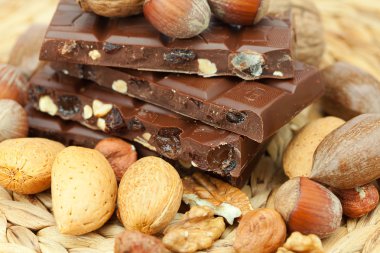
(169, 134)
(72, 133)
(250, 52)
(253, 109)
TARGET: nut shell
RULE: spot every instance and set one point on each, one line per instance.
(178, 18)
(308, 207)
(239, 12)
(25, 164)
(298, 156)
(83, 190)
(112, 8)
(350, 91)
(150, 194)
(13, 84)
(13, 120)
(260, 231)
(120, 154)
(349, 156)
(358, 201)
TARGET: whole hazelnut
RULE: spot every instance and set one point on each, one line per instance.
(13, 120)
(178, 18)
(13, 85)
(239, 12)
(120, 154)
(358, 201)
(308, 207)
(260, 231)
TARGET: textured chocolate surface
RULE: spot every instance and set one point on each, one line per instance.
(72, 133)
(253, 109)
(169, 134)
(250, 52)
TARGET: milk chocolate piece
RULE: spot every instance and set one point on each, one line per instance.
(72, 133)
(250, 52)
(169, 134)
(253, 109)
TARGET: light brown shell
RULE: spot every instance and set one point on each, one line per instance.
(112, 8)
(260, 231)
(83, 189)
(25, 164)
(150, 194)
(298, 156)
(13, 120)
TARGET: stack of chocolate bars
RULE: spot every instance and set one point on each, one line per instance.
(211, 102)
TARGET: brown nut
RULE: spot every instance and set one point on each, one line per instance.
(13, 85)
(358, 201)
(350, 91)
(239, 12)
(136, 242)
(120, 154)
(13, 120)
(298, 156)
(260, 231)
(308, 207)
(112, 8)
(349, 156)
(178, 18)
(150, 194)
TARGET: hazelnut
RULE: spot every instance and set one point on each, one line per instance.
(13, 85)
(262, 231)
(13, 120)
(136, 242)
(112, 8)
(178, 18)
(239, 12)
(308, 207)
(358, 201)
(120, 154)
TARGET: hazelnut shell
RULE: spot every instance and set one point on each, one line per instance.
(308, 207)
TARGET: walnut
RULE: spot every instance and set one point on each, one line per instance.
(136, 242)
(225, 200)
(197, 230)
(299, 243)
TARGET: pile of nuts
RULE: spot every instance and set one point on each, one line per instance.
(332, 165)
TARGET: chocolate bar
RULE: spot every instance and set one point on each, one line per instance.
(169, 134)
(250, 52)
(242, 107)
(72, 133)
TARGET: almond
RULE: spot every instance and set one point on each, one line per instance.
(83, 190)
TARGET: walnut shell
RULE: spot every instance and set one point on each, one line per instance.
(150, 194)
(25, 164)
(112, 8)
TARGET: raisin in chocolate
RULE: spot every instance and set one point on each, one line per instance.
(222, 157)
(69, 105)
(115, 122)
(168, 141)
(236, 117)
(110, 48)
